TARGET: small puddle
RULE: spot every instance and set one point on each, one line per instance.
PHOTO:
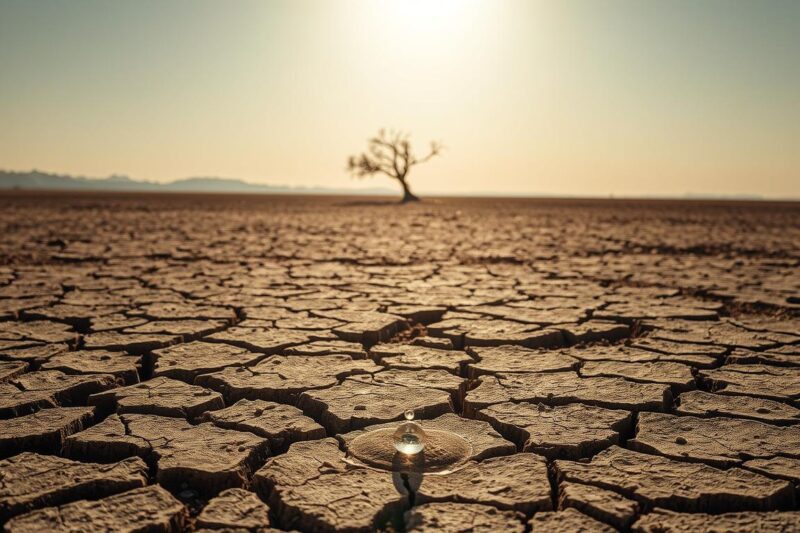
(444, 452)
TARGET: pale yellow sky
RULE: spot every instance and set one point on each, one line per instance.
(623, 97)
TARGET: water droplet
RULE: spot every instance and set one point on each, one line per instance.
(409, 438)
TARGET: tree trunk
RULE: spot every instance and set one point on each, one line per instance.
(408, 196)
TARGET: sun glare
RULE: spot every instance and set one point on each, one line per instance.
(426, 18)
(428, 14)
(421, 36)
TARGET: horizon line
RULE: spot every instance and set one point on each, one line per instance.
(342, 190)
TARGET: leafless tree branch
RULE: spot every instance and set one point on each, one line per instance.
(390, 154)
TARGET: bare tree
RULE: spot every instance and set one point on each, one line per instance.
(390, 154)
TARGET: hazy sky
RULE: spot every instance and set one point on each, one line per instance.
(561, 97)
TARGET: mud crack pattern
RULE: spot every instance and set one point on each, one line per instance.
(182, 363)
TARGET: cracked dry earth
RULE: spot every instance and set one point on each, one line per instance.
(182, 363)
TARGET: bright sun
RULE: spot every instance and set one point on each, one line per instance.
(413, 42)
(426, 9)
(428, 16)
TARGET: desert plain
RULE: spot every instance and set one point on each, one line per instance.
(200, 362)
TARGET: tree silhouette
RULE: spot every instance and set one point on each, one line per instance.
(390, 154)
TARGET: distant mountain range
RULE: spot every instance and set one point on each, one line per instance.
(36, 180)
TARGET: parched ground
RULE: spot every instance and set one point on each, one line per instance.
(179, 362)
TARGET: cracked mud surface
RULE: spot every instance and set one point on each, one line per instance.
(181, 363)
